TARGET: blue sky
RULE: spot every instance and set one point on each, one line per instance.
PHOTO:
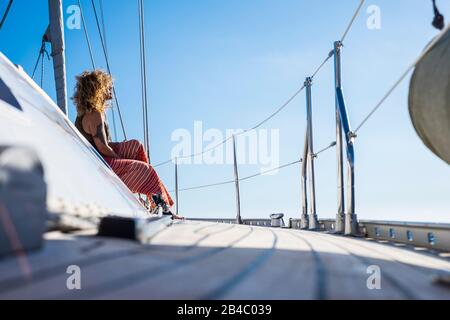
(231, 63)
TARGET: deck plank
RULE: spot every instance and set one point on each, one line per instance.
(96, 270)
(317, 271)
(193, 260)
(410, 272)
(195, 280)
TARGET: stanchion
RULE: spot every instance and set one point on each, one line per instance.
(236, 179)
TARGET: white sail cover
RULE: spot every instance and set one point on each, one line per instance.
(76, 175)
(429, 99)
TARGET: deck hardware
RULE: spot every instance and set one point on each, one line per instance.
(377, 232)
(276, 220)
(349, 220)
(410, 236)
(431, 239)
(309, 218)
(236, 178)
(340, 226)
(392, 233)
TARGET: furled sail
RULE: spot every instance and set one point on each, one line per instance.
(429, 98)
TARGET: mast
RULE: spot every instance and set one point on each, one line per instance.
(55, 35)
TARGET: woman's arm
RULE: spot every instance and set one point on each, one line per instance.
(100, 138)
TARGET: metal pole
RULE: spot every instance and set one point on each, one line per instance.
(176, 187)
(351, 223)
(236, 179)
(313, 220)
(339, 227)
(351, 220)
(304, 221)
(55, 33)
(143, 57)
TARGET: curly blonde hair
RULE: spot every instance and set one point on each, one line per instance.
(92, 91)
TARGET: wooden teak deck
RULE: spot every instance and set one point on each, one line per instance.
(199, 260)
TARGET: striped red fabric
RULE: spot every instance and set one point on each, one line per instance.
(134, 170)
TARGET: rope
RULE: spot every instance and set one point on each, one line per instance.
(105, 53)
(86, 35)
(42, 53)
(5, 15)
(355, 15)
(402, 77)
(143, 58)
(38, 59)
(438, 21)
(240, 180)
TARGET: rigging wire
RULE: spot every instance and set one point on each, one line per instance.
(402, 77)
(113, 112)
(271, 170)
(242, 179)
(102, 18)
(143, 60)
(273, 115)
(42, 53)
(332, 145)
(105, 53)
(42, 71)
(5, 15)
(356, 14)
(331, 54)
(91, 54)
(438, 21)
(142, 76)
(86, 35)
(284, 105)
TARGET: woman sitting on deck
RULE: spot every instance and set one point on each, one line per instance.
(128, 159)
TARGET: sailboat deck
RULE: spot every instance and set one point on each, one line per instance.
(200, 260)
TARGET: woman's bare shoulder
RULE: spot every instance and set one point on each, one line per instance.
(92, 120)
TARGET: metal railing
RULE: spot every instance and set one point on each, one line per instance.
(434, 236)
(247, 222)
(346, 220)
(308, 159)
(423, 235)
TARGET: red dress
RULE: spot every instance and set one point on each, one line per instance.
(134, 170)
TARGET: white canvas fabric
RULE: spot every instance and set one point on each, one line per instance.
(429, 99)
